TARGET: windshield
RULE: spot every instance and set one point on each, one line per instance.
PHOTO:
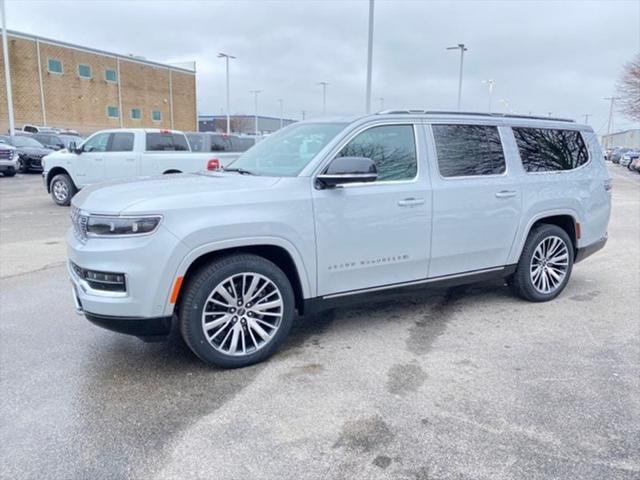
(20, 141)
(288, 151)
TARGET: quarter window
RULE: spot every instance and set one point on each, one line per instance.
(156, 116)
(550, 150)
(468, 150)
(136, 114)
(121, 142)
(110, 76)
(113, 112)
(54, 65)
(391, 147)
(84, 71)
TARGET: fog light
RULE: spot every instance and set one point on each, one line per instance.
(107, 281)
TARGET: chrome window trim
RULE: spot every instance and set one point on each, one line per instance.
(334, 151)
(468, 177)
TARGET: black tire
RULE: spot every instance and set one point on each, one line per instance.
(9, 173)
(22, 166)
(66, 186)
(521, 283)
(194, 300)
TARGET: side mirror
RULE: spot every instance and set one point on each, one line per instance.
(343, 170)
(73, 148)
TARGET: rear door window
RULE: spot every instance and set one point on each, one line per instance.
(220, 143)
(161, 142)
(549, 149)
(121, 142)
(468, 150)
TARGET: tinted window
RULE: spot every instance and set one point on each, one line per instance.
(54, 65)
(166, 142)
(468, 150)
(110, 76)
(241, 144)
(136, 114)
(219, 143)
(196, 140)
(84, 71)
(391, 147)
(97, 143)
(112, 112)
(121, 142)
(547, 150)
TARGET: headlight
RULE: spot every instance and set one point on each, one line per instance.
(102, 226)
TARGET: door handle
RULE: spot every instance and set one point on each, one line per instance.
(506, 194)
(407, 202)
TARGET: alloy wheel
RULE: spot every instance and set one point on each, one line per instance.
(242, 314)
(60, 191)
(549, 264)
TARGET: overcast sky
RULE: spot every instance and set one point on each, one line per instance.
(546, 56)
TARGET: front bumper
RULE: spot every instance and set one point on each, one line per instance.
(149, 264)
(8, 164)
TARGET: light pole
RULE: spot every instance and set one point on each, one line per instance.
(381, 103)
(226, 56)
(490, 84)
(7, 71)
(462, 49)
(586, 118)
(506, 104)
(369, 57)
(255, 108)
(304, 114)
(324, 97)
(281, 102)
(610, 122)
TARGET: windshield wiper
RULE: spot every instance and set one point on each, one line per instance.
(241, 171)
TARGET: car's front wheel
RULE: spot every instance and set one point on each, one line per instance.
(10, 172)
(545, 264)
(62, 189)
(237, 310)
(22, 166)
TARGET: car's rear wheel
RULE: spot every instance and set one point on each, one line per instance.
(237, 310)
(545, 264)
(62, 189)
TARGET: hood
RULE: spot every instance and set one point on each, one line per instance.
(157, 194)
(35, 151)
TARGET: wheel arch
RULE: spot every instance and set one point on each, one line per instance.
(171, 171)
(57, 171)
(566, 219)
(287, 259)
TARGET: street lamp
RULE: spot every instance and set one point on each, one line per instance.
(255, 108)
(490, 83)
(304, 114)
(226, 56)
(7, 70)
(462, 49)
(324, 96)
(281, 102)
(369, 57)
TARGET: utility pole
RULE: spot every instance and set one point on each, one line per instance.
(255, 109)
(490, 83)
(226, 57)
(462, 49)
(586, 118)
(281, 102)
(369, 58)
(610, 122)
(7, 71)
(381, 103)
(324, 97)
(304, 114)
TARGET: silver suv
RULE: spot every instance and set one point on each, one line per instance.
(323, 211)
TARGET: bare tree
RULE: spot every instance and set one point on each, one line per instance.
(628, 89)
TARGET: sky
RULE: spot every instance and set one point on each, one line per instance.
(558, 57)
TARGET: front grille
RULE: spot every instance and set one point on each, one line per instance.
(106, 281)
(79, 222)
(6, 154)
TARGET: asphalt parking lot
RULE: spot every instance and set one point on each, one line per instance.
(463, 383)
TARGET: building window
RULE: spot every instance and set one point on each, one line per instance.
(54, 66)
(112, 112)
(468, 150)
(136, 114)
(156, 116)
(110, 76)
(84, 71)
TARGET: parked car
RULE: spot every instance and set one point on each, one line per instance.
(57, 141)
(635, 164)
(8, 160)
(617, 153)
(118, 154)
(30, 151)
(43, 129)
(627, 157)
(324, 211)
(218, 142)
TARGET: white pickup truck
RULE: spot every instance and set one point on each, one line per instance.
(120, 154)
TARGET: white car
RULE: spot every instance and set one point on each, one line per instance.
(322, 212)
(120, 154)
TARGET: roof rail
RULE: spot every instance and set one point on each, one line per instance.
(475, 114)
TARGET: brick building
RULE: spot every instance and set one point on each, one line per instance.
(69, 86)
